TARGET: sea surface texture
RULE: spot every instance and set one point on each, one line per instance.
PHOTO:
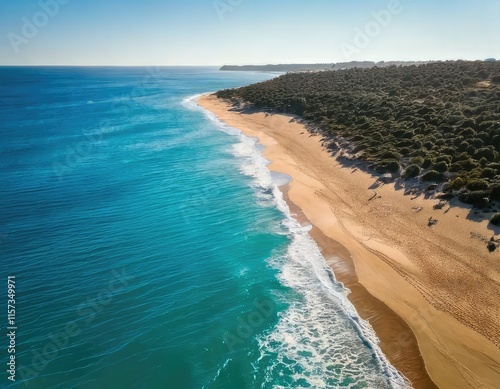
(151, 246)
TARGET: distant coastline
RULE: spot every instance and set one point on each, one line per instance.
(319, 66)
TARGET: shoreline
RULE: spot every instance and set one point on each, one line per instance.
(425, 278)
(397, 341)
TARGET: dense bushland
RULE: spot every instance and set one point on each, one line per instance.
(439, 121)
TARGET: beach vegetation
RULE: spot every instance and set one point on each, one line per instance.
(495, 219)
(457, 183)
(441, 167)
(478, 198)
(432, 175)
(495, 192)
(477, 184)
(411, 171)
(417, 161)
(388, 166)
(433, 117)
(427, 163)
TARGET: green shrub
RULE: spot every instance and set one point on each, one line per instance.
(427, 163)
(411, 171)
(495, 193)
(489, 172)
(417, 161)
(405, 151)
(458, 140)
(495, 219)
(483, 162)
(477, 198)
(477, 185)
(467, 132)
(463, 146)
(496, 142)
(432, 175)
(469, 164)
(358, 148)
(458, 183)
(445, 158)
(441, 167)
(429, 145)
(455, 167)
(390, 155)
(387, 166)
(462, 157)
(485, 152)
(478, 143)
(474, 173)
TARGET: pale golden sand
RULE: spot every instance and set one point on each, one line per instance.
(397, 341)
(440, 280)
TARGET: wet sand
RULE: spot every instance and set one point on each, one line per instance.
(397, 341)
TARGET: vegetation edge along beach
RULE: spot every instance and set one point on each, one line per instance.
(439, 122)
(415, 246)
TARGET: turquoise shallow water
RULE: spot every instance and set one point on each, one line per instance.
(152, 248)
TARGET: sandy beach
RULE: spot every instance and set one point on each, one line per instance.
(430, 292)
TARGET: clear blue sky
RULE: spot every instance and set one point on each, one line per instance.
(216, 32)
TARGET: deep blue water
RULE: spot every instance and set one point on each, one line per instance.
(152, 248)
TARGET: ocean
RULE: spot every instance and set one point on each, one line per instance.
(150, 246)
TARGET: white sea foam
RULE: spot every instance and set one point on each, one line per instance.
(319, 341)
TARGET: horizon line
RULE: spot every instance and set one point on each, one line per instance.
(245, 64)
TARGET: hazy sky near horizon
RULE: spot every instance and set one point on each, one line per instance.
(216, 32)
